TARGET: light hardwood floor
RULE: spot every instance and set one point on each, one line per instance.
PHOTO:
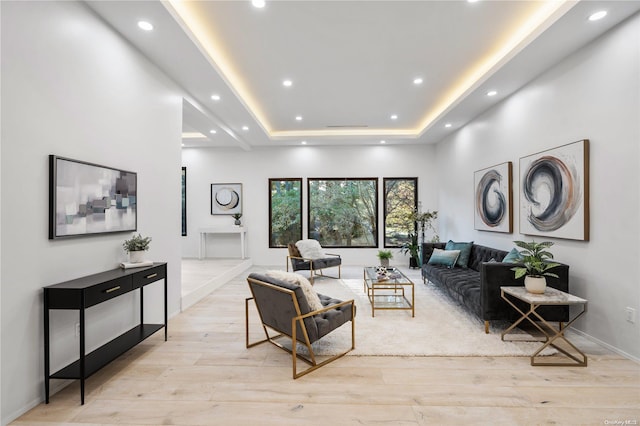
(204, 375)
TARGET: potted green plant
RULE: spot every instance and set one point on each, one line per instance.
(412, 248)
(536, 264)
(136, 246)
(237, 217)
(384, 256)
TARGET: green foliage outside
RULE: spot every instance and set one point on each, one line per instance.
(400, 199)
(286, 214)
(343, 213)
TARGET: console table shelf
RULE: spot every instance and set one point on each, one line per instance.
(82, 293)
(102, 356)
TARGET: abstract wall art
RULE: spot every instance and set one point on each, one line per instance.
(554, 192)
(226, 198)
(89, 199)
(493, 200)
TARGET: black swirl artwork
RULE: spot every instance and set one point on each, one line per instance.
(490, 200)
(553, 191)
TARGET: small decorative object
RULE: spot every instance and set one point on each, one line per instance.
(136, 246)
(237, 217)
(226, 198)
(412, 248)
(535, 260)
(554, 192)
(384, 256)
(493, 201)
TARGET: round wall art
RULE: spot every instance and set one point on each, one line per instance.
(226, 198)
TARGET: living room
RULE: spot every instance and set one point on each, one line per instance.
(72, 86)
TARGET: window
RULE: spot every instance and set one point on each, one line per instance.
(343, 212)
(285, 211)
(400, 201)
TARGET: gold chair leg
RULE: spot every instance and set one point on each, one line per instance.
(486, 327)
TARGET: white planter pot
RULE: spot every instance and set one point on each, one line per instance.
(535, 285)
(384, 262)
(136, 256)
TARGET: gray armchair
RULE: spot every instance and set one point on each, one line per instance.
(283, 308)
(299, 263)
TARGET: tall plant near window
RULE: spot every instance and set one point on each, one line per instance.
(343, 212)
(285, 211)
(400, 201)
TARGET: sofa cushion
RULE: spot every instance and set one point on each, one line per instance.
(513, 256)
(465, 252)
(312, 297)
(446, 258)
(310, 249)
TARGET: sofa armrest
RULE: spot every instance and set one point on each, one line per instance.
(494, 275)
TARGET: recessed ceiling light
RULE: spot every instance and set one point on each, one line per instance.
(144, 25)
(258, 3)
(394, 117)
(287, 83)
(213, 132)
(245, 128)
(183, 145)
(447, 125)
(303, 142)
(383, 141)
(598, 15)
(492, 93)
(298, 118)
(472, 1)
(215, 97)
(417, 80)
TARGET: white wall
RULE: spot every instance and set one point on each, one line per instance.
(72, 87)
(593, 94)
(253, 169)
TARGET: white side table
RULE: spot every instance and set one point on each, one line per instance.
(221, 230)
(551, 296)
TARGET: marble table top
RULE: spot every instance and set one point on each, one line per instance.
(551, 296)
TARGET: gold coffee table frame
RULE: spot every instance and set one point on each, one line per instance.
(551, 296)
(388, 294)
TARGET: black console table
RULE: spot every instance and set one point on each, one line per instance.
(82, 293)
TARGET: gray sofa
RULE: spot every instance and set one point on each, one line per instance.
(477, 287)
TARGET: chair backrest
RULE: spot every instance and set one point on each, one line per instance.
(278, 302)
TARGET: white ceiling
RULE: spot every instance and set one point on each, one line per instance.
(352, 63)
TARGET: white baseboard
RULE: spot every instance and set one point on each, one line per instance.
(216, 282)
(605, 345)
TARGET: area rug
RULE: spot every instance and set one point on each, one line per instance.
(440, 327)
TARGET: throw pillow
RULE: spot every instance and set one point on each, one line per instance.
(310, 249)
(291, 277)
(465, 252)
(447, 258)
(513, 256)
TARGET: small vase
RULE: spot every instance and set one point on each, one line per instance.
(237, 222)
(535, 285)
(384, 262)
(136, 256)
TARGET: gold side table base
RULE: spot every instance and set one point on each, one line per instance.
(551, 333)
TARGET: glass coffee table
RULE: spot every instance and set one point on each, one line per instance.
(388, 291)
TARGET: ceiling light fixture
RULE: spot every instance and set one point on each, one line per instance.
(144, 25)
(472, 1)
(492, 93)
(447, 125)
(245, 128)
(383, 141)
(598, 15)
(287, 83)
(394, 117)
(215, 97)
(258, 3)
(298, 118)
(213, 132)
(303, 142)
(417, 80)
